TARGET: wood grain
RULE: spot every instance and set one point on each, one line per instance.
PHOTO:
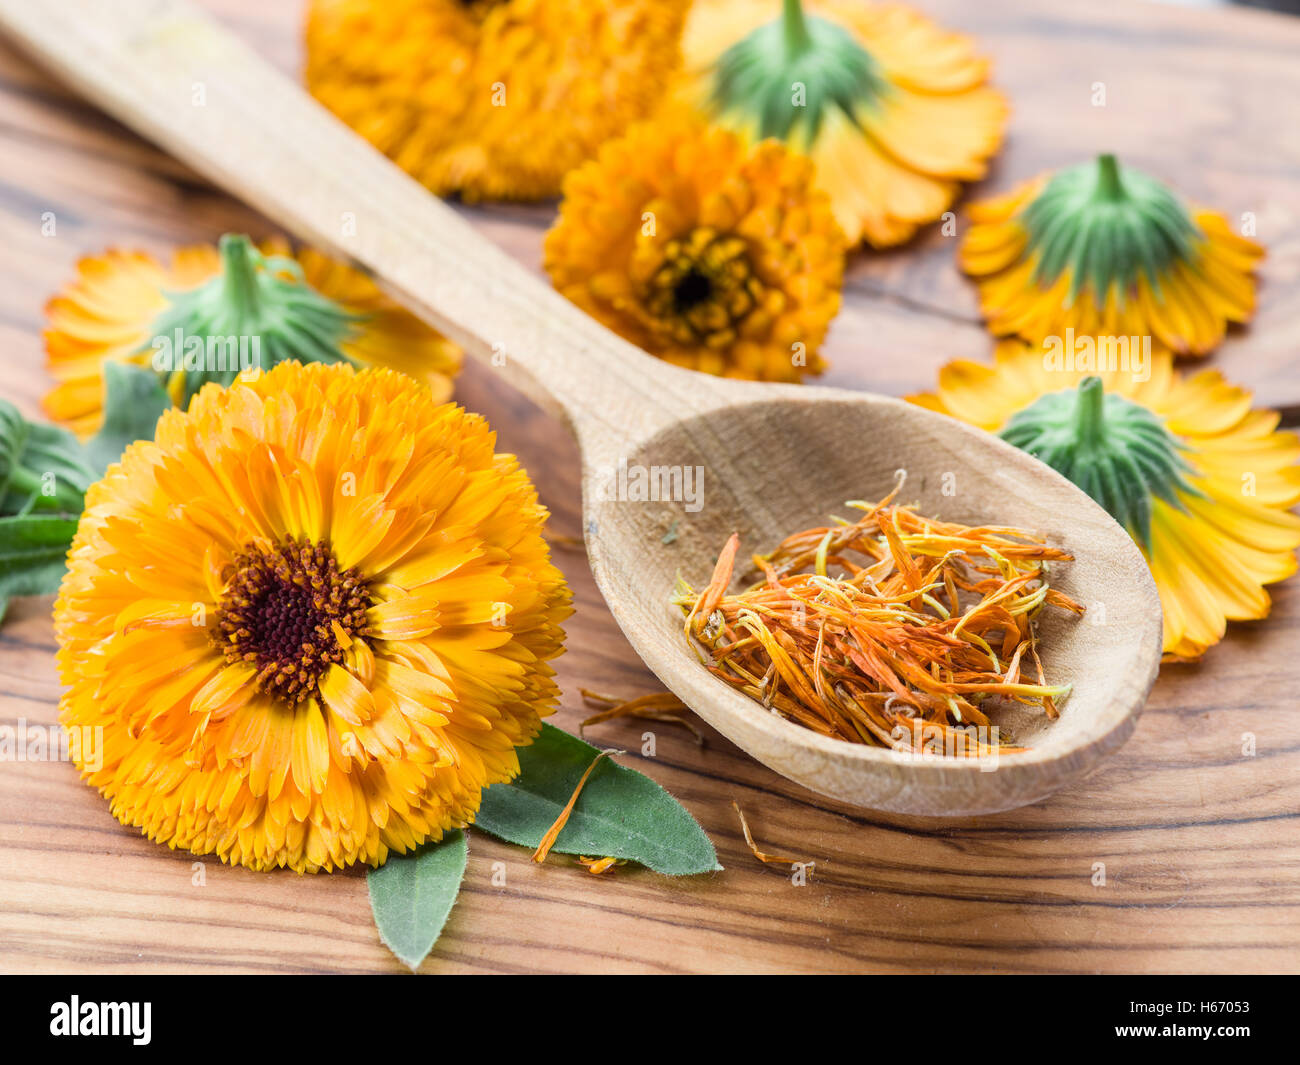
(1201, 844)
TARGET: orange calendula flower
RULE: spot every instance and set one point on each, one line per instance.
(894, 111)
(491, 99)
(705, 251)
(313, 620)
(1105, 250)
(1203, 481)
(282, 304)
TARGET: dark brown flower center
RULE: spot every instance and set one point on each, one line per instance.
(691, 290)
(703, 289)
(478, 9)
(284, 610)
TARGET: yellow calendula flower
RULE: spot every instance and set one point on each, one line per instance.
(894, 111)
(702, 250)
(281, 304)
(491, 99)
(1105, 250)
(1203, 481)
(313, 620)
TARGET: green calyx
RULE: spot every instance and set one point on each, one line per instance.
(257, 312)
(784, 77)
(1106, 225)
(1114, 449)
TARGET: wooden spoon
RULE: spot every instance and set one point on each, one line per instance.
(774, 458)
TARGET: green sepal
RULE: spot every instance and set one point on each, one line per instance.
(1107, 226)
(257, 312)
(755, 80)
(1114, 449)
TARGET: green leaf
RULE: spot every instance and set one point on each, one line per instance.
(412, 894)
(44, 474)
(134, 399)
(33, 553)
(620, 813)
(42, 467)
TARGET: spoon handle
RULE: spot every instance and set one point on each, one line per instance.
(173, 75)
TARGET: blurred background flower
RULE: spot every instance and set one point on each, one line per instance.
(321, 310)
(702, 249)
(1106, 250)
(1202, 480)
(894, 111)
(491, 99)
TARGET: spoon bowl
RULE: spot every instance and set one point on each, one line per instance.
(772, 459)
(775, 460)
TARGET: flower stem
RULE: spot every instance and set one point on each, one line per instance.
(1089, 412)
(239, 272)
(1109, 185)
(797, 37)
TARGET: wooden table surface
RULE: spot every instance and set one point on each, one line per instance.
(1200, 843)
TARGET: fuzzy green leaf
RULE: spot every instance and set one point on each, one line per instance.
(620, 813)
(44, 474)
(134, 399)
(412, 894)
(42, 467)
(33, 550)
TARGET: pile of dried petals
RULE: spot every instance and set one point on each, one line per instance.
(934, 620)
